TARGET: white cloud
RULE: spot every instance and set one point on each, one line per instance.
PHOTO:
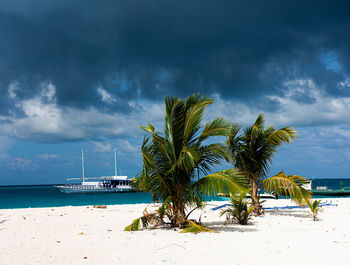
(101, 147)
(345, 84)
(48, 91)
(12, 88)
(47, 156)
(125, 147)
(105, 95)
(20, 163)
(42, 115)
(318, 109)
(46, 121)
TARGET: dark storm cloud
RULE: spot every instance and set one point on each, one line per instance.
(148, 49)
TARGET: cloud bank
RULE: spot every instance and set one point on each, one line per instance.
(90, 70)
(147, 49)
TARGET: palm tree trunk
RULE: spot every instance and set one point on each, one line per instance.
(258, 209)
(155, 197)
(179, 214)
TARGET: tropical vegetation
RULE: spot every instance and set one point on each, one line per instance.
(251, 151)
(239, 211)
(315, 209)
(177, 163)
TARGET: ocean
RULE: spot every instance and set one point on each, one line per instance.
(12, 197)
(331, 183)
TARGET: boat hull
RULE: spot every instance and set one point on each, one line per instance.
(67, 189)
(262, 195)
(331, 192)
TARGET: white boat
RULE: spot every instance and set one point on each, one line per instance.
(262, 195)
(100, 184)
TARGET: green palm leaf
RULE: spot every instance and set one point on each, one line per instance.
(291, 185)
(217, 127)
(225, 181)
(196, 228)
(283, 135)
(134, 226)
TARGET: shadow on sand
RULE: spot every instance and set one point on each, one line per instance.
(291, 212)
(220, 227)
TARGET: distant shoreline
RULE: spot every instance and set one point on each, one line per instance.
(33, 185)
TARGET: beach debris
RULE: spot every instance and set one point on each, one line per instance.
(58, 241)
(3, 221)
(24, 218)
(52, 209)
(196, 228)
(81, 233)
(85, 257)
(134, 226)
(100, 206)
(109, 230)
(339, 242)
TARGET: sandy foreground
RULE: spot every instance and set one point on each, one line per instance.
(86, 235)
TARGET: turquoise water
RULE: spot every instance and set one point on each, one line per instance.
(49, 196)
(12, 197)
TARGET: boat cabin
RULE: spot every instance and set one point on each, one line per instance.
(115, 181)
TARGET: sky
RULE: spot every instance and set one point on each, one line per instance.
(86, 74)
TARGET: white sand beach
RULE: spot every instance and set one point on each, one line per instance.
(86, 235)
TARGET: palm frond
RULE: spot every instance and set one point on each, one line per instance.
(225, 181)
(217, 127)
(283, 135)
(149, 129)
(134, 226)
(196, 228)
(291, 185)
(193, 119)
(260, 122)
(233, 134)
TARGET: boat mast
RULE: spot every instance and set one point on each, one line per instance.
(115, 162)
(82, 163)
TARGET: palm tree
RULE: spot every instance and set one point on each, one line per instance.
(252, 150)
(173, 159)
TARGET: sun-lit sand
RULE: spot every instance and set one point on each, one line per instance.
(86, 235)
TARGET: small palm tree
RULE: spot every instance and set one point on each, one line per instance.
(175, 158)
(239, 212)
(315, 208)
(252, 150)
